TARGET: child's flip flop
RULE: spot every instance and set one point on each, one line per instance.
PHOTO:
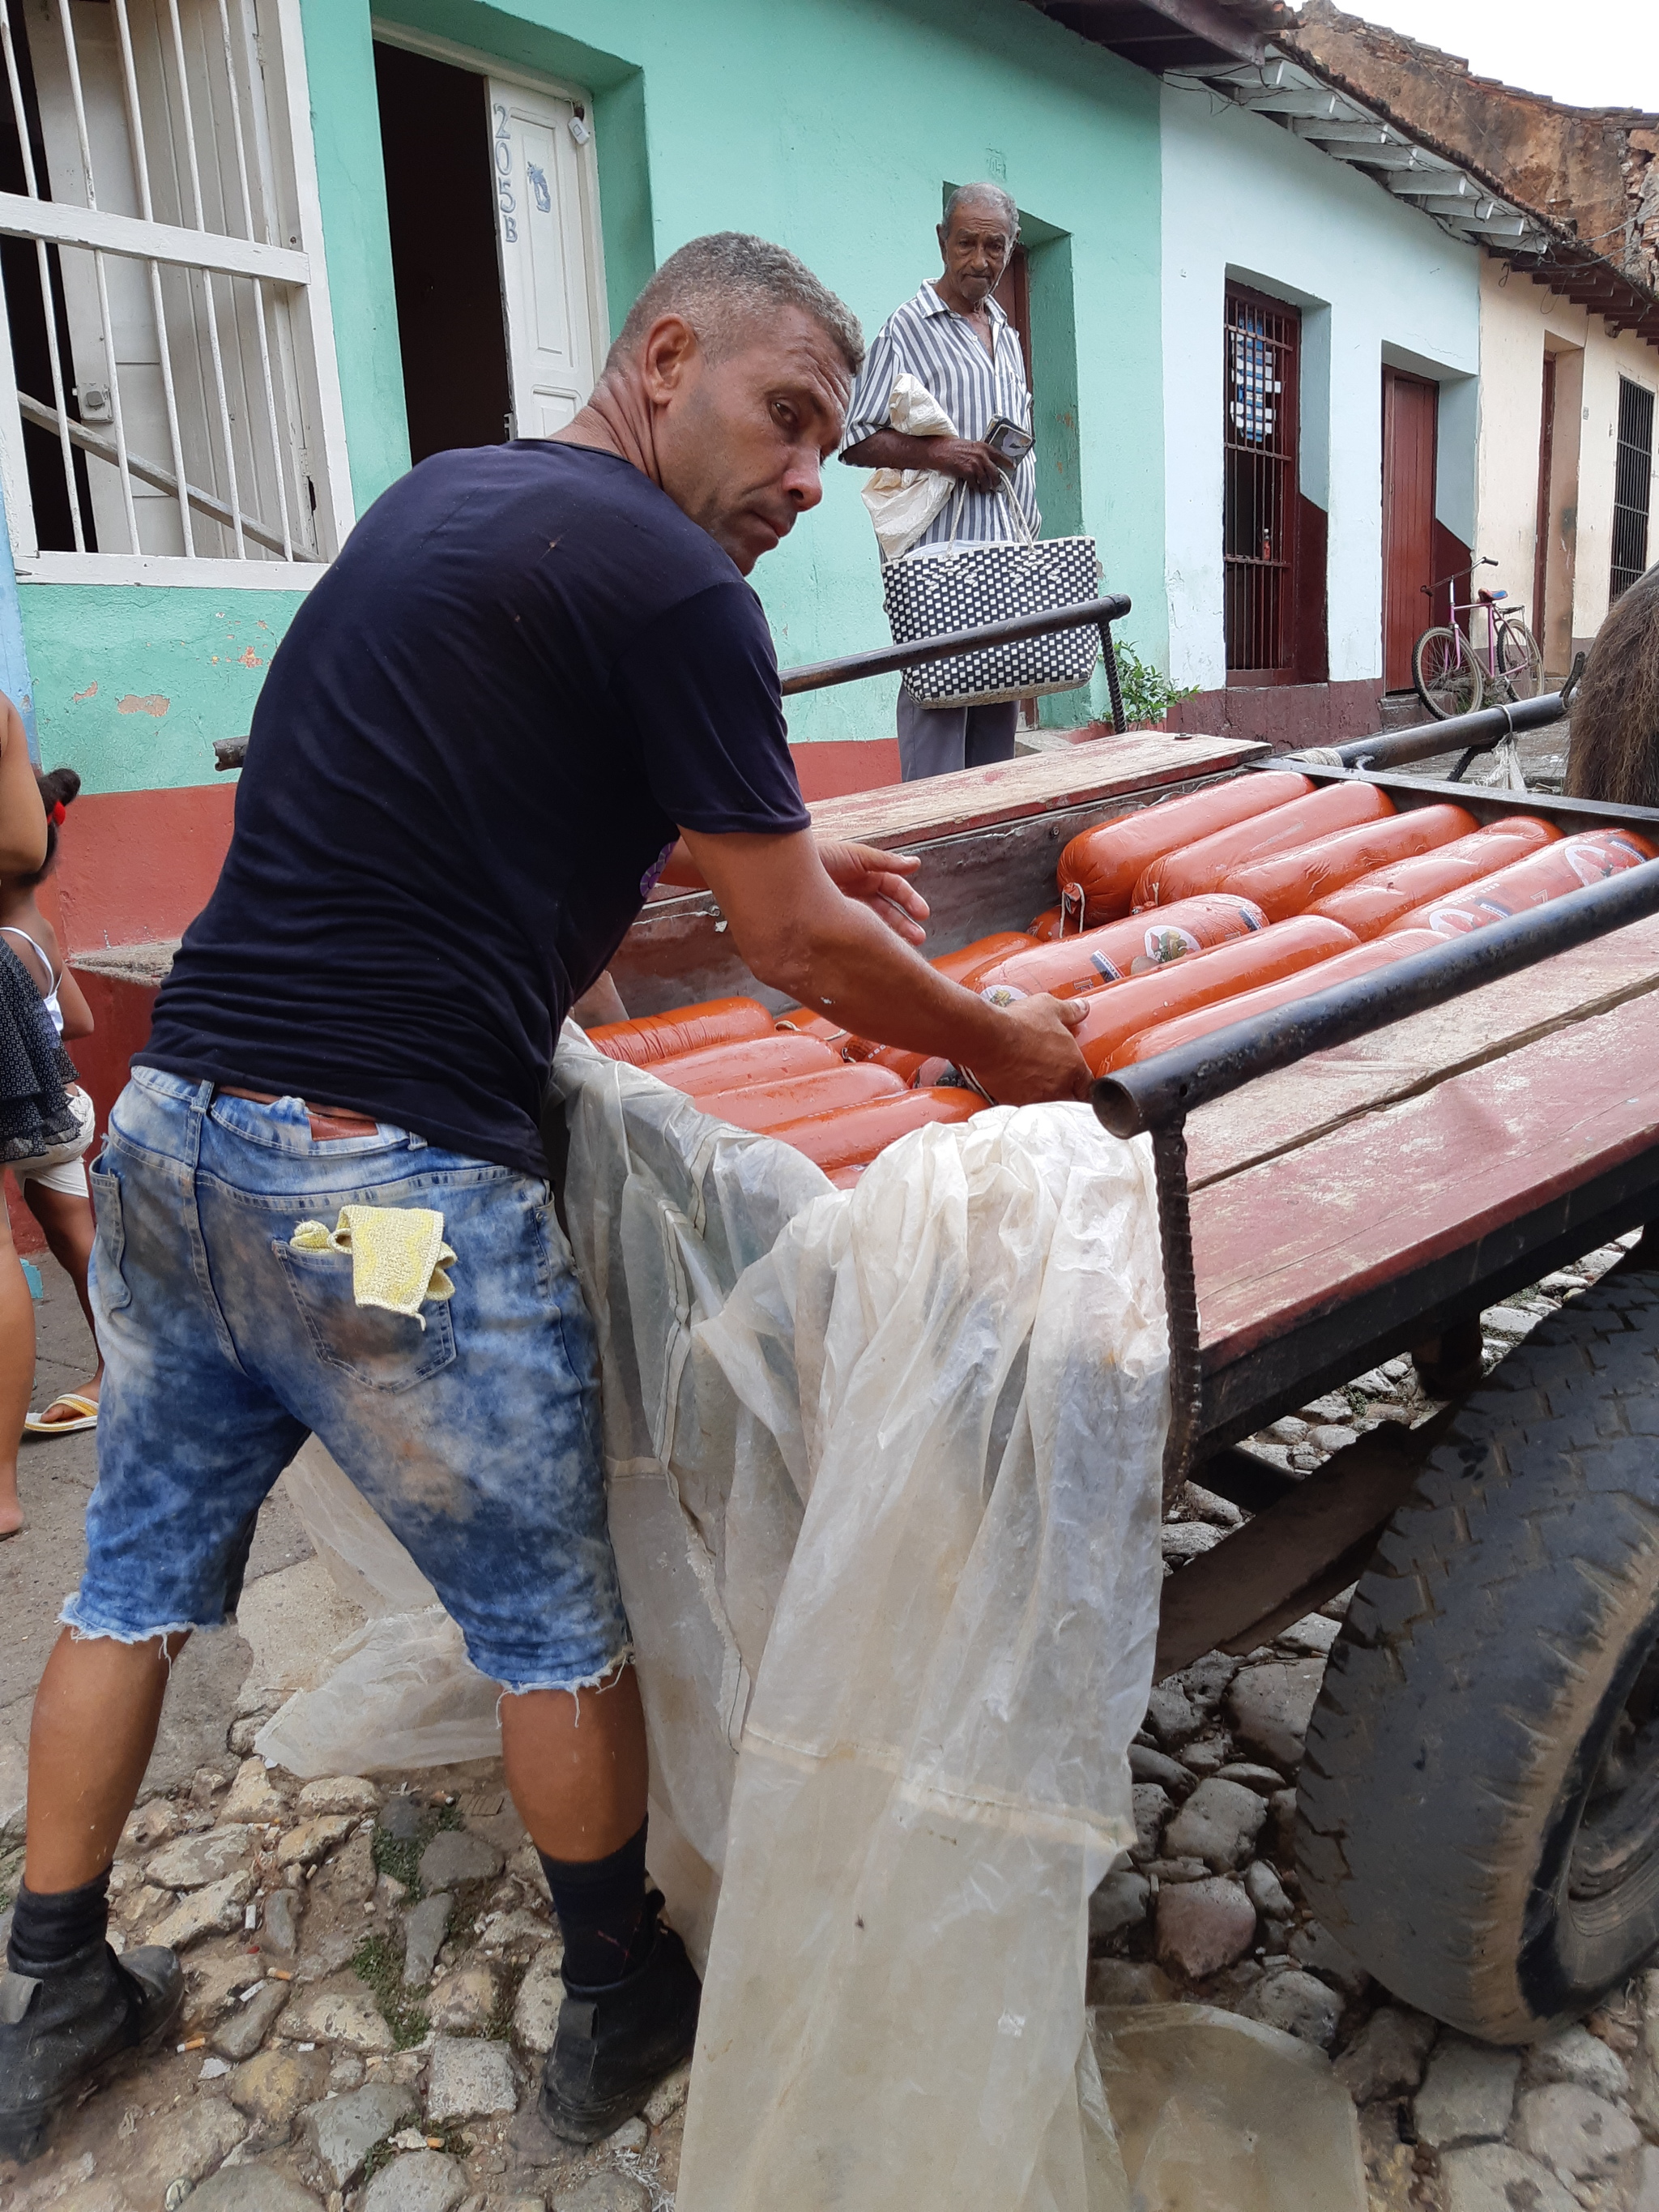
(37, 1424)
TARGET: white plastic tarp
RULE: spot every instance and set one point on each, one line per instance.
(884, 1472)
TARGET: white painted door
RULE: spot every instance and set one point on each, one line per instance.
(544, 277)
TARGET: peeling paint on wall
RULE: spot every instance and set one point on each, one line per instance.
(155, 704)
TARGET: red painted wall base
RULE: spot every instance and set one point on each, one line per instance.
(1287, 716)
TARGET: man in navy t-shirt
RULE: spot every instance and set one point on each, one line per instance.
(532, 669)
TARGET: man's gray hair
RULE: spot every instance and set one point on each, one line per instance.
(1002, 201)
(725, 282)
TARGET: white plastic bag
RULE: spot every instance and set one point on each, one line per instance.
(902, 502)
(891, 1485)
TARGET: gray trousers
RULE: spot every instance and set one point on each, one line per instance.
(933, 740)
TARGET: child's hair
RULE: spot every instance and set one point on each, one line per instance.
(57, 789)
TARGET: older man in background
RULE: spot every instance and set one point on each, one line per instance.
(954, 338)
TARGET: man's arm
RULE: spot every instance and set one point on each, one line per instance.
(798, 934)
(964, 459)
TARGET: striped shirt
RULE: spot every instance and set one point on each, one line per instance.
(943, 350)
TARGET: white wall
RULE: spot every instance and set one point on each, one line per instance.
(1519, 319)
(1243, 197)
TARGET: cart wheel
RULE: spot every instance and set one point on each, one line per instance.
(1446, 673)
(1479, 1810)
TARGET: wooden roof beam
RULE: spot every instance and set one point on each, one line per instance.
(1207, 20)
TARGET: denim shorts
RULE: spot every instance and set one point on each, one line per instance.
(476, 1437)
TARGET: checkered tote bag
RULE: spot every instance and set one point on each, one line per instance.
(935, 589)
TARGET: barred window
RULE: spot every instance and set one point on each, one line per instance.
(166, 312)
(1632, 487)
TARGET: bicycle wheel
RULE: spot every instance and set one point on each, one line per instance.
(1520, 659)
(1446, 673)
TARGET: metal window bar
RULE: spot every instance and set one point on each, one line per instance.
(43, 260)
(215, 190)
(206, 274)
(1260, 356)
(1632, 489)
(158, 307)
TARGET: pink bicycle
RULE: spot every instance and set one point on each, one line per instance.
(1453, 677)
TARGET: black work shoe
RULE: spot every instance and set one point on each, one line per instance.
(614, 2043)
(60, 2031)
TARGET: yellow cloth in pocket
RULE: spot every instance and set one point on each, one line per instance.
(397, 1255)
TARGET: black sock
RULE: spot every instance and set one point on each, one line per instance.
(601, 1908)
(46, 1932)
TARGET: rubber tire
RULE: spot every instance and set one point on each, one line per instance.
(1520, 659)
(1480, 1676)
(1463, 656)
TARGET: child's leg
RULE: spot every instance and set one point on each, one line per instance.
(65, 1218)
(17, 1370)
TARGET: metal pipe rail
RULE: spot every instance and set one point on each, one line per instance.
(1476, 732)
(890, 659)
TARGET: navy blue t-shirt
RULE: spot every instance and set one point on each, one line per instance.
(526, 672)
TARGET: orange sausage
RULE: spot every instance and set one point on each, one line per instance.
(847, 1178)
(767, 1105)
(960, 965)
(1106, 863)
(1588, 857)
(1121, 948)
(1121, 1010)
(755, 1059)
(806, 1022)
(1289, 883)
(910, 1068)
(653, 1037)
(1044, 928)
(1381, 953)
(1369, 906)
(1207, 866)
(852, 1138)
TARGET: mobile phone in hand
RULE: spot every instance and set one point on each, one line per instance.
(1007, 441)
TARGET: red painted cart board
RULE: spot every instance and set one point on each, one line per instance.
(1280, 1113)
(1099, 772)
(1284, 1241)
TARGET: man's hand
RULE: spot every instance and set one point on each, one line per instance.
(1038, 1059)
(818, 939)
(967, 460)
(877, 879)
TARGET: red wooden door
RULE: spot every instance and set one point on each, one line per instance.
(1410, 408)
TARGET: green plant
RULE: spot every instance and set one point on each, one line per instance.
(1148, 694)
(376, 1961)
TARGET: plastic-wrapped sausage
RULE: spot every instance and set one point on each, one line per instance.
(1164, 1037)
(854, 1138)
(910, 1068)
(1207, 865)
(1587, 857)
(1104, 864)
(653, 1037)
(1289, 883)
(1051, 923)
(962, 965)
(1123, 948)
(1374, 903)
(1121, 1010)
(767, 1106)
(806, 1022)
(754, 1060)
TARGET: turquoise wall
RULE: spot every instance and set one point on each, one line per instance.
(830, 126)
